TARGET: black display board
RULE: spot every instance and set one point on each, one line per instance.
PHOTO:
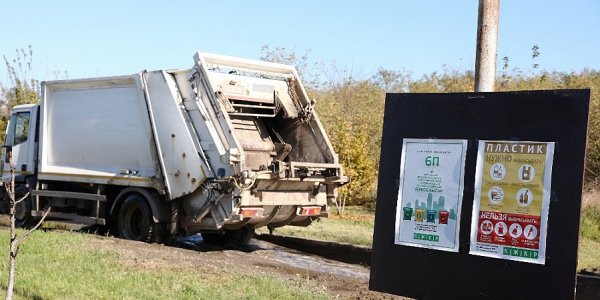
(559, 116)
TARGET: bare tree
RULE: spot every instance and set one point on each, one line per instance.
(15, 241)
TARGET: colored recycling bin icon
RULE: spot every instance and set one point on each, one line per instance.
(407, 213)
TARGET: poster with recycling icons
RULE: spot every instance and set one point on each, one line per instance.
(512, 198)
(430, 193)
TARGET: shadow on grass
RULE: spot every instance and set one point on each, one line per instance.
(19, 292)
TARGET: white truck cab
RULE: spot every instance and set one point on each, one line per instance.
(21, 141)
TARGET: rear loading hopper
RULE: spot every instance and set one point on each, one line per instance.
(277, 166)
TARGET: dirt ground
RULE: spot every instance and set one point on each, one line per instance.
(338, 280)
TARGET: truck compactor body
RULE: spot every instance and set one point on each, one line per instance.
(219, 149)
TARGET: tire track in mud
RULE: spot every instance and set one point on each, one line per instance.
(290, 256)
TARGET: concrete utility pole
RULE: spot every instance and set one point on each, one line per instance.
(487, 44)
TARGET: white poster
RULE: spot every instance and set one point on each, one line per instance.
(512, 198)
(430, 193)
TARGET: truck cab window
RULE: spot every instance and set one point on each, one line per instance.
(21, 128)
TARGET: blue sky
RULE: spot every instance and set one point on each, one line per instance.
(103, 38)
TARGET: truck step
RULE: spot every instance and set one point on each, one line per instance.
(72, 195)
(71, 217)
(52, 224)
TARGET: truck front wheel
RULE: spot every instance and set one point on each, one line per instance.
(135, 218)
(23, 209)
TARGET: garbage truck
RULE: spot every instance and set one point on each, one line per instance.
(220, 149)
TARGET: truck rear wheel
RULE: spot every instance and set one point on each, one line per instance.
(239, 237)
(213, 238)
(135, 219)
(231, 238)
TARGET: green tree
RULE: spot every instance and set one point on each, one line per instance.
(22, 88)
(446, 82)
(352, 113)
(392, 81)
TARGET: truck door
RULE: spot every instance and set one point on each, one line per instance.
(20, 142)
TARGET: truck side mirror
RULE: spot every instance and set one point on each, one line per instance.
(8, 153)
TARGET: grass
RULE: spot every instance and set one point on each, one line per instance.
(589, 245)
(590, 215)
(355, 227)
(63, 265)
(589, 254)
(590, 223)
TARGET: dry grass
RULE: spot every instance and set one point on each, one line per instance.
(354, 227)
(591, 198)
(589, 244)
(589, 254)
(590, 215)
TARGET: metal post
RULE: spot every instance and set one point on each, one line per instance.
(487, 44)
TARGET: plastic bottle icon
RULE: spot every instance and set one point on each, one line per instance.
(498, 171)
(524, 197)
(526, 173)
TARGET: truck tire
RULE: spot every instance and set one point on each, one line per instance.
(213, 238)
(135, 219)
(239, 238)
(23, 210)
